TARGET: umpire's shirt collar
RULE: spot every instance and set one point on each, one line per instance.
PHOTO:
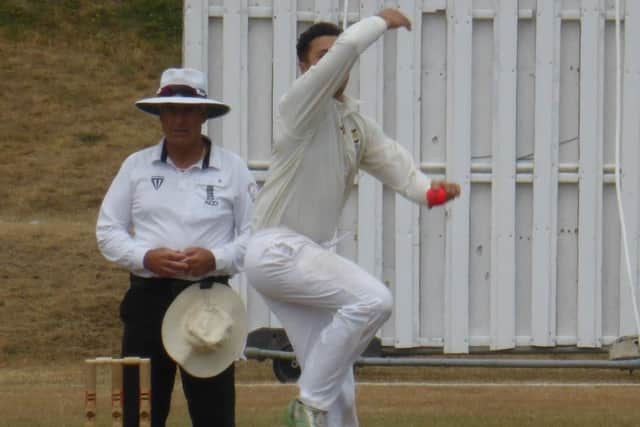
(207, 160)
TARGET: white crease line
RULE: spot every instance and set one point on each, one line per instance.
(453, 385)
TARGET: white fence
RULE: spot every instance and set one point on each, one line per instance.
(515, 100)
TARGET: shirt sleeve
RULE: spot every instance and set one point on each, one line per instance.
(392, 164)
(114, 220)
(304, 101)
(230, 256)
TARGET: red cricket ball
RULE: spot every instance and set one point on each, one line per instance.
(436, 196)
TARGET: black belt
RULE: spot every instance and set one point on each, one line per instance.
(207, 282)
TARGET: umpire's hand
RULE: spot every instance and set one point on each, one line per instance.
(164, 262)
(193, 261)
(200, 261)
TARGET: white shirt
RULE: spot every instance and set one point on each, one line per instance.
(152, 204)
(320, 143)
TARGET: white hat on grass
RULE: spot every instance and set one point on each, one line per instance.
(183, 86)
(205, 330)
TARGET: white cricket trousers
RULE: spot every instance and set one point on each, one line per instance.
(329, 307)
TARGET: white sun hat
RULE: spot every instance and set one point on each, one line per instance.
(205, 330)
(183, 86)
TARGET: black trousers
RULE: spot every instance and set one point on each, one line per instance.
(211, 401)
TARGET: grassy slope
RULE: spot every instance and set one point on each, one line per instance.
(70, 73)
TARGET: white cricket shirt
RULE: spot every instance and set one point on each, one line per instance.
(153, 204)
(320, 143)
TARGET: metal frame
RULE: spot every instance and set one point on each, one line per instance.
(468, 362)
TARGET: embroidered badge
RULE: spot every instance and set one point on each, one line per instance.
(157, 181)
(211, 196)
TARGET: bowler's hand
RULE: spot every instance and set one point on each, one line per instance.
(200, 261)
(394, 19)
(452, 189)
(165, 262)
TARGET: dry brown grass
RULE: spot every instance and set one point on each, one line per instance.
(69, 119)
(52, 395)
(58, 297)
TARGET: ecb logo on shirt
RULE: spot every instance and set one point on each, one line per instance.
(211, 196)
(157, 181)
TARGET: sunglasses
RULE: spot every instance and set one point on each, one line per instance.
(182, 109)
(180, 90)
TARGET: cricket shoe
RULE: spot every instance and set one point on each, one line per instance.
(298, 414)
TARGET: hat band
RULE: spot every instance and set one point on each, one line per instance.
(181, 90)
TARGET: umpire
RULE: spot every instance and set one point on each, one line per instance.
(176, 213)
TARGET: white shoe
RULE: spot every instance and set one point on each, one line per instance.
(300, 415)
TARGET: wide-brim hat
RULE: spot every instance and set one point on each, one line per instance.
(183, 86)
(205, 330)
